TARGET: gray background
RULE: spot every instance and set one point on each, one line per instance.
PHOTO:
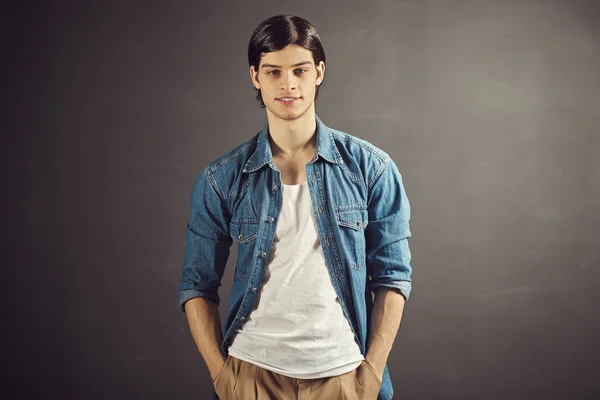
(489, 108)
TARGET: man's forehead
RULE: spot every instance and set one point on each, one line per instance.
(276, 64)
(288, 56)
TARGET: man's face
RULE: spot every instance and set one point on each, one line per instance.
(288, 73)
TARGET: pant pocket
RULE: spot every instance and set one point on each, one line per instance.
(225, 380)
(373, 373)
(222, 369)
(367, 380)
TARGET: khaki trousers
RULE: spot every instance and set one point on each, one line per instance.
(240, 380)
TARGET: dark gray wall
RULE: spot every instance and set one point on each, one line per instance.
(489, 108)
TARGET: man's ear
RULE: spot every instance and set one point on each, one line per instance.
(322, 71)
(254, 77)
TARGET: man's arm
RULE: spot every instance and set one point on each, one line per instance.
(388, 260)
(207, 250)
(205, 326)
(385, 321)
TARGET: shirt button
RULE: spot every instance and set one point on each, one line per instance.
(242, 318)
(275, 187)
(262, 254)
(271, 220)
(313, 176)
(241, 237)
(253, 289)
(319, 207)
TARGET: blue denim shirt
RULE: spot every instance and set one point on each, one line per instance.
(361, 212)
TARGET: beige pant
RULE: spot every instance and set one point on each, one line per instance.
(245, 381)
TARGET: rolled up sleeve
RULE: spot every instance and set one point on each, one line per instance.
(207, 243)
(388, 230)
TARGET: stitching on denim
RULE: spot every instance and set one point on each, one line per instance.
(380, 154)
(353, 177)
(355, 211)
(236, 226)
(359, 206)
(256, 139)
(215, 165)
(213, 183)
(358, 267)
(382, 167)
(246, 239)
(362, 143)
(352, 226)
(233, 193)
(245, 221)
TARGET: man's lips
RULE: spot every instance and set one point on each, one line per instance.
(288, 102)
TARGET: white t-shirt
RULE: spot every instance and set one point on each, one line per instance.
(297, 327)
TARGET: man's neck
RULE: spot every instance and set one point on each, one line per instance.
(289, 139)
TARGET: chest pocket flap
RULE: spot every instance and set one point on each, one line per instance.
(356, 219)
(243, 231)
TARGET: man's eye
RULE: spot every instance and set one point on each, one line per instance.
(302, 70)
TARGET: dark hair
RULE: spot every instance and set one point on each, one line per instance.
(277, 32)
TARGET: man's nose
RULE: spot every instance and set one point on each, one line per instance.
(289, 81)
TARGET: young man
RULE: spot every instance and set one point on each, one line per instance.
(321, 220)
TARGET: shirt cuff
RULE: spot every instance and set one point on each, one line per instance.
(404, 287)
(188, 294)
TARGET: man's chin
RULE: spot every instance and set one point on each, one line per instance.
(289, 115)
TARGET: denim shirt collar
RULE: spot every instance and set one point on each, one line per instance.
(263, 155)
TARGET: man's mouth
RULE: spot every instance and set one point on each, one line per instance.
(288, 100)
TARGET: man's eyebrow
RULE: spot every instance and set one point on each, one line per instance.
(279, 66)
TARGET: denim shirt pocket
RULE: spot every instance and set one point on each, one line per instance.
(352, 221)
(244, 232)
